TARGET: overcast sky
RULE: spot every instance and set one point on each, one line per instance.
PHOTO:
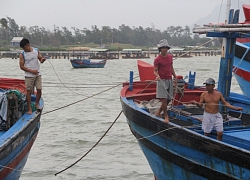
(113, 13)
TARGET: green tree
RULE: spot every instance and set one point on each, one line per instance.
(13, 28)
(4, 24)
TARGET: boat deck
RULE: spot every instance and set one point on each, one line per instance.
(240, 134)
(234, 132)
(2, 132)
(238, 138)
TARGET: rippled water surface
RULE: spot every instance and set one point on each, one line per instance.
(80, 120)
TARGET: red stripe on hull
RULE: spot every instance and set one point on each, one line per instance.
(6, 171)
(244, 74)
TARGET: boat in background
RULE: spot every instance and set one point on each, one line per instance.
(18, 130)
(87, 63)
(241, 67)
(134, 54)
(98, 53)
(179, 149)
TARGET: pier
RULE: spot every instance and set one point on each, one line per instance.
(110, 54)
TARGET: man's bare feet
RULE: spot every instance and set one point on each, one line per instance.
(38, 108)
(158, 114)
(29, 111)
(166, 120)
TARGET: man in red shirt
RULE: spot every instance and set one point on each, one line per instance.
(164, 71)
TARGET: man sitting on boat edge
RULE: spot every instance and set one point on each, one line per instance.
(211, 117)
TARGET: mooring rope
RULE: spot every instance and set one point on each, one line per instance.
(80, 83)
(61, 81)
(191, 126)
(146, 86)
(11, 168)
(146, 137)
(81, 99)
(92, 146)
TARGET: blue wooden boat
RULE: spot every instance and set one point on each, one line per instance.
(179, 149)
(241, 67)
(19, 131)
(87, 63)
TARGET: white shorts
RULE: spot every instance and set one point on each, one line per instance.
(164, 89)
(212, 121)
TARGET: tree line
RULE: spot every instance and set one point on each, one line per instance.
(137, 36)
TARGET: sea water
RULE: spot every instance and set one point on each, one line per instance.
(80, 105)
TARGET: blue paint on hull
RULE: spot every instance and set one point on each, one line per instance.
(163, 170)
(180, 153)
(241, 64)
(244, 85)
(16, 173)
(87, 64)
(21, 151)
(16, 144)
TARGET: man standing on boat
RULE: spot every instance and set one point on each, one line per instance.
(164, 70)
(29, 63)
(212, 118)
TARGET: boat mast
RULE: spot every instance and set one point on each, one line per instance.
(229, 36)
(226, 62)
(224, 40)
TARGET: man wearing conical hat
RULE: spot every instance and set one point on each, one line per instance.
(164, 72)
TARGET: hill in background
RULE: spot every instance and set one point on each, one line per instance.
(219, 13)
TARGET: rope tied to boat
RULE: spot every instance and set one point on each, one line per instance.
(91, 147)
(179, 100)
(88, 97)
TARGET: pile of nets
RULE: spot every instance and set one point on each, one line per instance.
(12, 106)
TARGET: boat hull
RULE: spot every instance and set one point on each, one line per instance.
(87, 63)
(241, 67)
(179, 149)
(17, 141)
(178, 153)
(175, 152)
(15, 153)
(242, 58)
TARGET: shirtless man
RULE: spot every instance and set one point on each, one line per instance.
(212, 118)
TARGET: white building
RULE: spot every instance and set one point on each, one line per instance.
(15, 41)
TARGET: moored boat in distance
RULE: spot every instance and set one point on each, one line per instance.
(179, 149)
(87, 63)
(134, 54)
(18, 130)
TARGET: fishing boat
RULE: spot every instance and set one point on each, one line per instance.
(179, 149)
(18, 130)
(242, 57)
(87, 63)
